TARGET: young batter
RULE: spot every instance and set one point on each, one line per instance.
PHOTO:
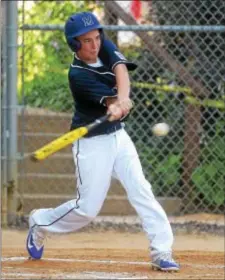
(99, 82)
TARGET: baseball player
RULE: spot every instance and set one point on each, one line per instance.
(99, 83)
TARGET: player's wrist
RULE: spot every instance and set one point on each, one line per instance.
(110, 100)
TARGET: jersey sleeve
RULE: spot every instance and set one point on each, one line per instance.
(111, 56)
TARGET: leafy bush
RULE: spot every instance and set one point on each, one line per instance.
(161, 165)
(49, 91)
(209, 176)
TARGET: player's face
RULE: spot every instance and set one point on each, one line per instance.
(90, 46)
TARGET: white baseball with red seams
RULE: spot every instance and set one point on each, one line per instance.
(160, 129)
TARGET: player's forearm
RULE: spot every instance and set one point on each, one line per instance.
(122, 81)
(122, 105)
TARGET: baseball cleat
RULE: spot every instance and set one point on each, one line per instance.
(165, 263)
(35, 240)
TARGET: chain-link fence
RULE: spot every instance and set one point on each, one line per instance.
(179, 48)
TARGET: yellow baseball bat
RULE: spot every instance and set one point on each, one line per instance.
(66, 139)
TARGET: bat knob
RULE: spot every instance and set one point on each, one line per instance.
(33, 158)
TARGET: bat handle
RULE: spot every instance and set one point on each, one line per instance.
(97, 122)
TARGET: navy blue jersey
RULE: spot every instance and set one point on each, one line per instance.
(91, 85)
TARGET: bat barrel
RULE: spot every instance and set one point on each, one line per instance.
(65, 140)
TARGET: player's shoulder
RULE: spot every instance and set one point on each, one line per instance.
(77, 67)
(76, 74)
(111, 56)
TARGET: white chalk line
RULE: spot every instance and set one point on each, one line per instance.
(71, 276)
(92, 275)
(15, 259)
(83, 275)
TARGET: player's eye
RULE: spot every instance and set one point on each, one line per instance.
(87, 40)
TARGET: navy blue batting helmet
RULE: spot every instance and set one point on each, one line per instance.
(79, 24)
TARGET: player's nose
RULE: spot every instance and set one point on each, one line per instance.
(95, 44)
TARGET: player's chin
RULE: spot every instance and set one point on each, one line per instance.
(94, 54)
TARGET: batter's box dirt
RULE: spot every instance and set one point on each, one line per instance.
(108, 264)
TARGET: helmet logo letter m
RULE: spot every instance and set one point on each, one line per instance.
(87, 20)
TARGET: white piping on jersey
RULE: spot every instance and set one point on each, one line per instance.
(119, 62)
(103, 73)
(103, 97)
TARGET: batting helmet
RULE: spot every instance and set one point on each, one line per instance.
(79, 24)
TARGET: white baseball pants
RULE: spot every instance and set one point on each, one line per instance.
(97, 159)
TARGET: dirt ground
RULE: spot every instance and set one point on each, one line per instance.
(110, 255)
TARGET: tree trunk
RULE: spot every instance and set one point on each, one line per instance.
(191, 152)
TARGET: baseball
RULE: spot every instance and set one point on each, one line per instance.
(160, 129)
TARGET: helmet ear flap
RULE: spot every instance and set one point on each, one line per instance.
(76, 44)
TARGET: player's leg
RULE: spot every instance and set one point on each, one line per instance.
(94, 165)
(154, 220)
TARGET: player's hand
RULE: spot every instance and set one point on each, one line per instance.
(125, 104)
(115, 111)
